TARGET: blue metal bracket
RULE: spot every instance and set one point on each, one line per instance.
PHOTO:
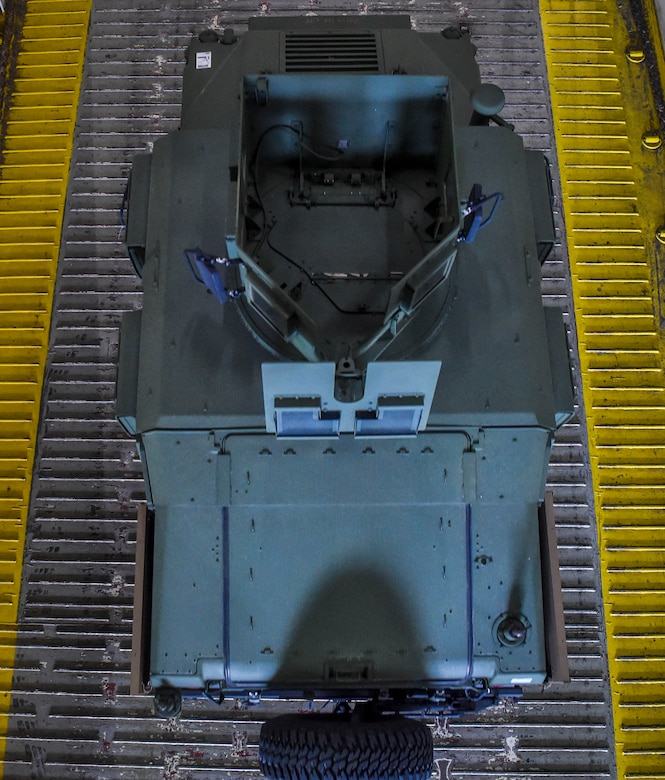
(473, 213)
(206, 269)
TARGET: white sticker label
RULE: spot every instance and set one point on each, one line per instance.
(203, 60)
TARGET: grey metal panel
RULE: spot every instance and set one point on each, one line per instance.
(505, 574)
(128, 360)
(541, 200)
(182, 466)
(505, 335)
(528, 446)
(564, 399)
(138, 190)
(197, 338)
(191, 628)
(394, 628)
(71, 716)
(297, 473)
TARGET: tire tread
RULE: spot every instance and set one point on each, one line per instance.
(334, 747)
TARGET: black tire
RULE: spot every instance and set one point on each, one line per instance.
(168, 702)
(337, 747)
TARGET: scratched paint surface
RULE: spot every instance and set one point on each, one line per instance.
(71, 712)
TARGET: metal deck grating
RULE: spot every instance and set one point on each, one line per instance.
(612, 189)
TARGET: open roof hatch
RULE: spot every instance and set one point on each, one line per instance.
(377, 148)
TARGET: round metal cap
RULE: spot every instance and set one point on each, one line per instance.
(488, 99)
(511, 630)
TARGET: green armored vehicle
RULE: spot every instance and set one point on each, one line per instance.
(344, 389)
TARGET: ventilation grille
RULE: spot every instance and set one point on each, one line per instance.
(350, 52)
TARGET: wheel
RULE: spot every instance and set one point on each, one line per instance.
(209, 36)
(168, 702)
(339, 747)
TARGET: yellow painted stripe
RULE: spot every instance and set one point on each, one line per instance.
(613, 203)
(33, 187)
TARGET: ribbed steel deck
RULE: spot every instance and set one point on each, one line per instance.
(70, 713)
